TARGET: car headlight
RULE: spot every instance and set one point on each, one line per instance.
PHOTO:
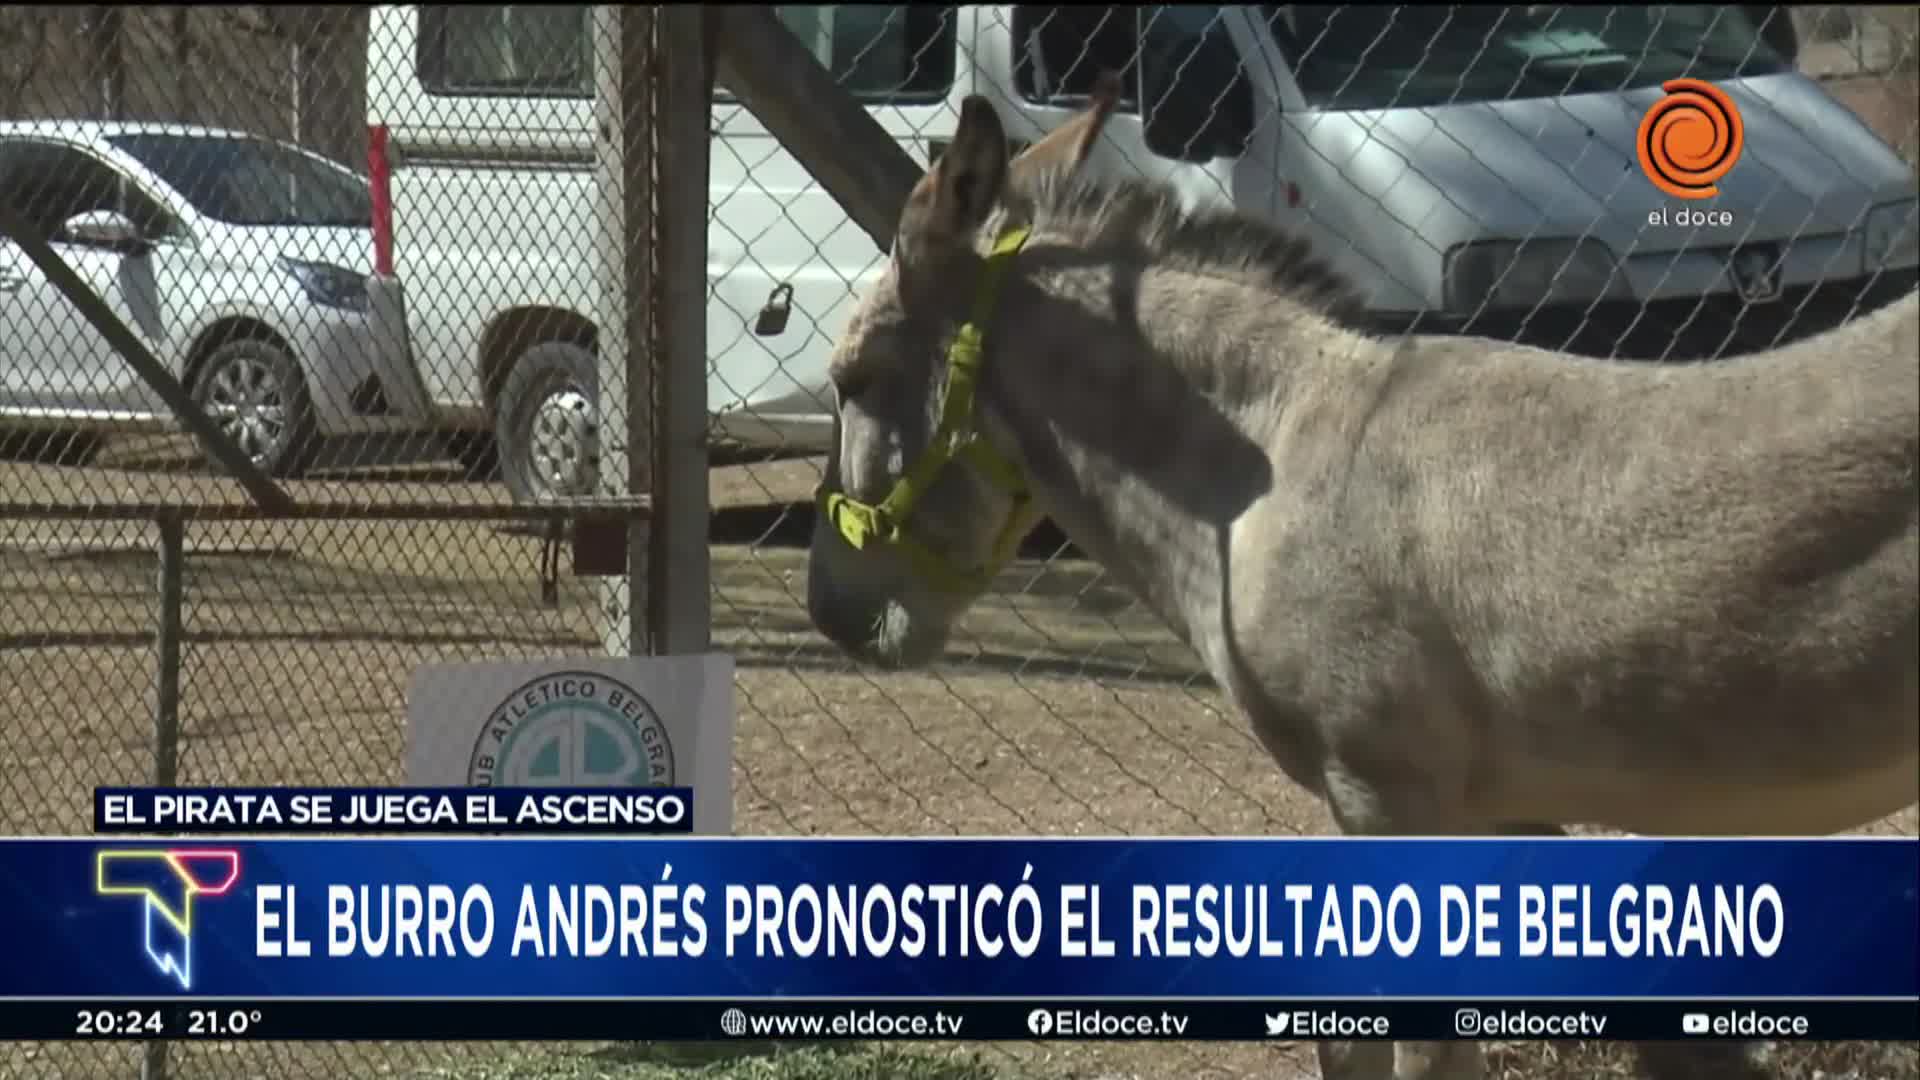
(1893, 236)
(1528, 273)
(329, 285)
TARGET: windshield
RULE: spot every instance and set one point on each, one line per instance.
(1380, 57)
(247, 181)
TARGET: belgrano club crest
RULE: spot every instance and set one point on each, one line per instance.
(573, 729)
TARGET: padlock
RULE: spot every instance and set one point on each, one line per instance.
(772, 319)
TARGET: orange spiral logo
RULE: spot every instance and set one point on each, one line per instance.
(1690, 139)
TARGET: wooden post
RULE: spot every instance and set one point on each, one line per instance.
(818, 122)
(679, 617)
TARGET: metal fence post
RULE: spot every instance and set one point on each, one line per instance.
(166, 702)
(623, 115)
(166, 699)
(168, 648)
(679, 614)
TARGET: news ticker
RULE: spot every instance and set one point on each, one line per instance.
(1175, 1020)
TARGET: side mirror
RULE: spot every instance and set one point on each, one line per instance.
(1195, 106)
(105, 229)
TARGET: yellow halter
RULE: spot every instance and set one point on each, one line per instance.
(867, 525)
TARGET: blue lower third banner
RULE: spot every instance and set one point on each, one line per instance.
(1242, 924)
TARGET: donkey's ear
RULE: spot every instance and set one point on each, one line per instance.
(961, 189)
(1067, 146)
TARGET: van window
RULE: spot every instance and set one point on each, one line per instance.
(881, 54)
(516, 49)
(1199, 103)
(1058, 52)
(1373, 58)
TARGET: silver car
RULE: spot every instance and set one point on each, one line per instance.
(243, 264)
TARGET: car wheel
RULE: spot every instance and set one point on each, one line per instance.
(476, 452)
(254, 392)
(547, 424)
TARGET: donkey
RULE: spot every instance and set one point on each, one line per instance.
(1456, 586)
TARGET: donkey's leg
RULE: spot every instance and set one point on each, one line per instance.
(1362, 808)
(1458, 1059)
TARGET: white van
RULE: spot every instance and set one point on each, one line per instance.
(1469, 168)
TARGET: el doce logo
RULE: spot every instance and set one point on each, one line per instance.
(1690, 139)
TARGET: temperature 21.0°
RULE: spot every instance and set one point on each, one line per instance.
(222, 1023)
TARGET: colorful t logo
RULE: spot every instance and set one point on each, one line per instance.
(167, 881)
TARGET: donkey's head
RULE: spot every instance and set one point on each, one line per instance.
(917, 508)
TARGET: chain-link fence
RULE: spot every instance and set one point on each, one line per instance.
(374, 253)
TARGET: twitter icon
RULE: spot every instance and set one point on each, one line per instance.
(1277, 1024)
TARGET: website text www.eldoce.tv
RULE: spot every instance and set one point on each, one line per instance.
(864, 1023)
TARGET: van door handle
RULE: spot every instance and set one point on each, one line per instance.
(10, 282)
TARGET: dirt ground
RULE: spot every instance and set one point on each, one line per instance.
(1065, 709)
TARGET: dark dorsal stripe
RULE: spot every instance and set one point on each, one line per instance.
(1146, 218)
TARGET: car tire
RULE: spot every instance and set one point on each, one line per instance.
(476, 452)
(254, 391)
(547, 423)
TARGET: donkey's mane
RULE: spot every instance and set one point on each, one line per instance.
(1144, 219)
